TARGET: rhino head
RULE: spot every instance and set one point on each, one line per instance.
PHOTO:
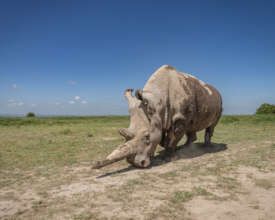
(138, 148)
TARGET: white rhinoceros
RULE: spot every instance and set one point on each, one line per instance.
(170, 105)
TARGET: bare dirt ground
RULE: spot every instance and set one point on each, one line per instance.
(234, 181)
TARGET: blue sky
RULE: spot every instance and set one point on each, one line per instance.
(77, 57)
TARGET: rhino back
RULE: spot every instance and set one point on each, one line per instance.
(180, 95)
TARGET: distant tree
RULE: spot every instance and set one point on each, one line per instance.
(30, 114)
(266, 109)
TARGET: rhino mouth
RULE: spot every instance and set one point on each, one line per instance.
(139, 163)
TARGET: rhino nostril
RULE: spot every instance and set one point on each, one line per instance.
(142, 163)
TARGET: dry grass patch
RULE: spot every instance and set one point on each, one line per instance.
(170, 175)
(264, 183)
(184, 196)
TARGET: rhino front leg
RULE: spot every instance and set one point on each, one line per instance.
(165, 140)
(175, 136)
(191, 137)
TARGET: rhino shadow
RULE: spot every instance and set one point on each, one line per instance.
(188, 152)
(124, 170)
(182, 152)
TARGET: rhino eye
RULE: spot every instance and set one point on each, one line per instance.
(150, 110)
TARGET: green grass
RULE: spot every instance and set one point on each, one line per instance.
(58, 141)
(28, 143)
(248, 119)
(45, 143)
(62, 120)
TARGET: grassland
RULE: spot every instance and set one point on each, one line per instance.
(45, 172)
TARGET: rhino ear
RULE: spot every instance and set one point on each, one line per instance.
(138, 95)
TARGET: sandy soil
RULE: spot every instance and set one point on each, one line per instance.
(200, 183)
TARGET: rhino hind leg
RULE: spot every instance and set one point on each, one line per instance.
(191, 137)
(208, 134)
(210, 130)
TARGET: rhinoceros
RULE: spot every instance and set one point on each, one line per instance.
(170, 105)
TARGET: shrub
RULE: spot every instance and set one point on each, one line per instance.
(30, 114)
(266, 109)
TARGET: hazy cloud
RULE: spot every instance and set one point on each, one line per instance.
(12, 104)
(76, 97)
(57, 103)
(15, 86)
(73, 83)
(33, 105)
(71, 102)
(84, 102)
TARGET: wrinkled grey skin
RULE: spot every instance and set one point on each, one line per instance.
(178, 104)
(170, 105)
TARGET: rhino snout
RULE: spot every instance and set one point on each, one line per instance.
(143, 163)
(139, 161)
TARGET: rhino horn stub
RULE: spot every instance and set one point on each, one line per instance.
(128, 135)
(118, 154)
